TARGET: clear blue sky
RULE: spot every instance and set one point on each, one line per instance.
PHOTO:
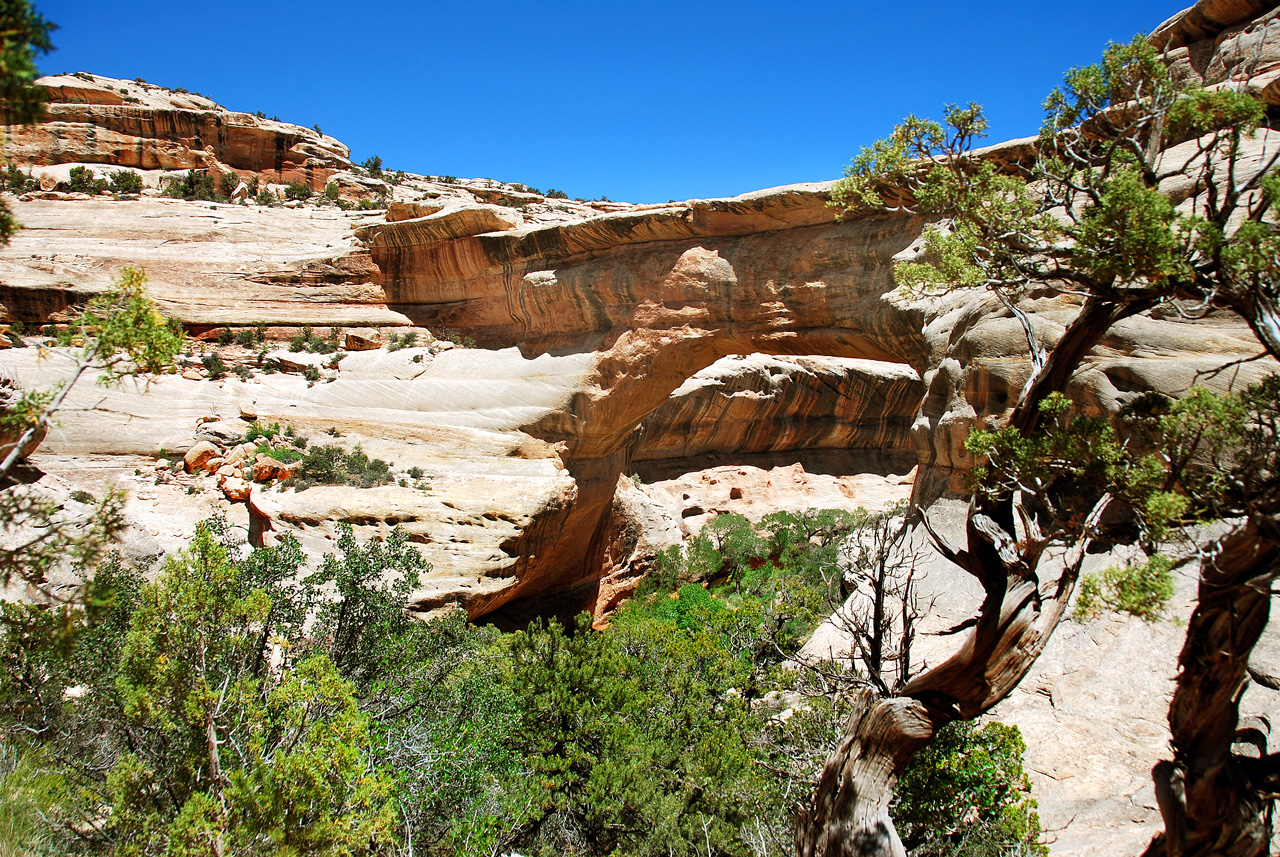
(639, 101)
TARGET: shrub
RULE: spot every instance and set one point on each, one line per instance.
(311, 373)
(1141, 589)
(265, 197)
(81, 180)
(196, 184)
(556, 194)
(408, 340)
(214, 365)
(226, 336)
(967, 793)
(298, 191)
(332, 192)
(298, 342)
(373, 166)
(285, 454)
(15, 180)
(258, 430)
(246, 337)
(306, 340)
(332, 465)
(126, 181)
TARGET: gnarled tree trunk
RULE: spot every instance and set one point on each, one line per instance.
(857, 782)
(1215, 802)
(849, 814)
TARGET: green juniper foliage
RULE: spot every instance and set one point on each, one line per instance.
(24, 34)
(119, 334)
(966, 793)
(343, 725)
(126, 182)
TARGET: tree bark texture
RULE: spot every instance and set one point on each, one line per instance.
(1213, 801)
(850, 817)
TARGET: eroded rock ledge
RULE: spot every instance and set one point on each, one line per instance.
(97, 120)
(639, 299)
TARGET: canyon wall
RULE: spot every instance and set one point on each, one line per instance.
(95, 120)
(642, 298)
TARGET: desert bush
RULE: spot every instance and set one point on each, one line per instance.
(332, 465)
(397, 342)
(298, 191)
(126, 181)
(258, 430)
(307, 340)
(1141, 589)
(15, 180)
(193, 185)
(214, 366)
(82, 180)
(967, 794)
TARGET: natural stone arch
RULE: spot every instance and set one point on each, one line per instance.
(657, 296)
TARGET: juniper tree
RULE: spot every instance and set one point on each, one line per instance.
(1089, 212)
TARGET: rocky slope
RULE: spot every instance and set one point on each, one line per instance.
(642, 298)
(97, 120)
(639, 368)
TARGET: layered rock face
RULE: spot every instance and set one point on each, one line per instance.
(641, 368)
(750, 404)
(97, 120)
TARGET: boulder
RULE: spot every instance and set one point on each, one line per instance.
(200, 455)
(362, 339)
(235, 489)
(223, 433)
(297, 361)
(265, 468)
